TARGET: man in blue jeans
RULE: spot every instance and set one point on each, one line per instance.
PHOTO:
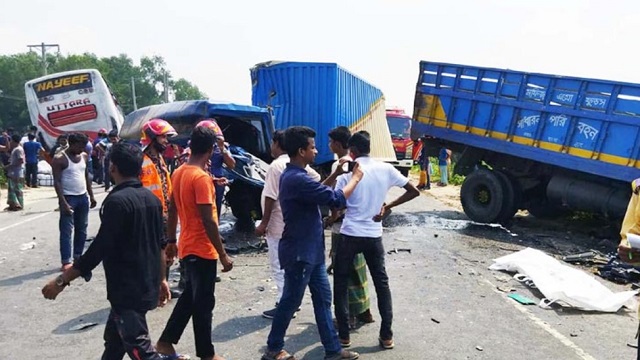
(302, 250)
(72, 183)
(31, 150)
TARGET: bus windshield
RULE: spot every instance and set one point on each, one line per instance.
(400, 127)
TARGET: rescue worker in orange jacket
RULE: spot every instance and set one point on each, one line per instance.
(155, 174)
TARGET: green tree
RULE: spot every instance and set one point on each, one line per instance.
(184, 90)
(118, 72)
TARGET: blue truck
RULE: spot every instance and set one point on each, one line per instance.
(544, 143)
(323, 96)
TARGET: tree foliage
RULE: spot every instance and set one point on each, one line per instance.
(148, 76)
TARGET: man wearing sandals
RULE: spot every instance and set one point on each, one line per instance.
(130, 245)
(362, 233)
(301, 249)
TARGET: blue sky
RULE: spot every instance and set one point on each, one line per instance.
(214, 43)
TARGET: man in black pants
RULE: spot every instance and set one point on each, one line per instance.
(362, 233)
(193, 201)
(130, 246)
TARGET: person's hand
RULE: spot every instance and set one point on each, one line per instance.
(384, 212)
(628, 255)
(340, 169)
(327, 221)
(51, 290)
(357, 173)
(227, 263)
(165, 294)
(261, 229)
(171, 250)
(221, 181)
(220, 142)
(66, 209)
(92, 202)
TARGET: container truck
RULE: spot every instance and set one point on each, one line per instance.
(544, 143)
(322, 96)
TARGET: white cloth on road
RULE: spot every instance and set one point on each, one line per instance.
(562, 283)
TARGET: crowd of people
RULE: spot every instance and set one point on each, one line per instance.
(139, 240)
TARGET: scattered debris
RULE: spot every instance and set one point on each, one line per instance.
(28, 246)
(521, 299)
(435, 320)
(398, 250)
(589, 257)
(479, 348)
(435, 235)
(506, 289)
(260, 288)
(573, 335)
(83, 326)
(632, 345)
(618, 272)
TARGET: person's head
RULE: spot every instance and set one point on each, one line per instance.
(63, 140)
(338, 139)
(277, 143)
(15, 140)
(31, 137)
(360, 144)
(33, 129)
(113, 136)
(126, 161)
(102, 133)
(77, 143)
(213, 125)
(156, 133)
(10, 131)
(201, 142)
(300, 143)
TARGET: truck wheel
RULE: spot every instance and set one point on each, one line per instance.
(482, 196)
(511, 199)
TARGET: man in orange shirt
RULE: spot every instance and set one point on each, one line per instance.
(193, 202)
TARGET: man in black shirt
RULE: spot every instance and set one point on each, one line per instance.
(130, 246)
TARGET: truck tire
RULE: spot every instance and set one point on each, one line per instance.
(482, 195)
(512, 197)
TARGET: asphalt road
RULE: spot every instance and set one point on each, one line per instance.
(446, 302)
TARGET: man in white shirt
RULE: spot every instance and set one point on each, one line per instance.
(272, 223)
(362, 233)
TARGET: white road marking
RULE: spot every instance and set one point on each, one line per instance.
(25, 221)
(37, 217)
(542, 324)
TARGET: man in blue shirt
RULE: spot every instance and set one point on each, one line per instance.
(31, 150)
(302, 251)
(443, 163)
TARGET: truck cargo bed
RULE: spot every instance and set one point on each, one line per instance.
(581, 124)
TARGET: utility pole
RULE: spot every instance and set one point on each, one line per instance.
(43, 50)
(133, 94)
(166, 88)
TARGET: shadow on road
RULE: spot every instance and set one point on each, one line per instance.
(17, 280)
(237, 327)
(98, 317)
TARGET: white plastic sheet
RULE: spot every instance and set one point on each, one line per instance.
(562, 283)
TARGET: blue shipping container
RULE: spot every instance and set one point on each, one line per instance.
(581, 124)
(322, 96)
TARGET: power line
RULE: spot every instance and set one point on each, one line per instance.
(43, 50)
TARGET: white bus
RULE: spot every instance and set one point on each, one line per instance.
(72, 101)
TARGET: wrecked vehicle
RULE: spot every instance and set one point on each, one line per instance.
(247, 129)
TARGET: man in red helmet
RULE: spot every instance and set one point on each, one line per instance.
(155, 174)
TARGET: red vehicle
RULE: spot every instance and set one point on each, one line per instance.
(400, 129)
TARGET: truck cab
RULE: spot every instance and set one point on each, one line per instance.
(400, 128)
